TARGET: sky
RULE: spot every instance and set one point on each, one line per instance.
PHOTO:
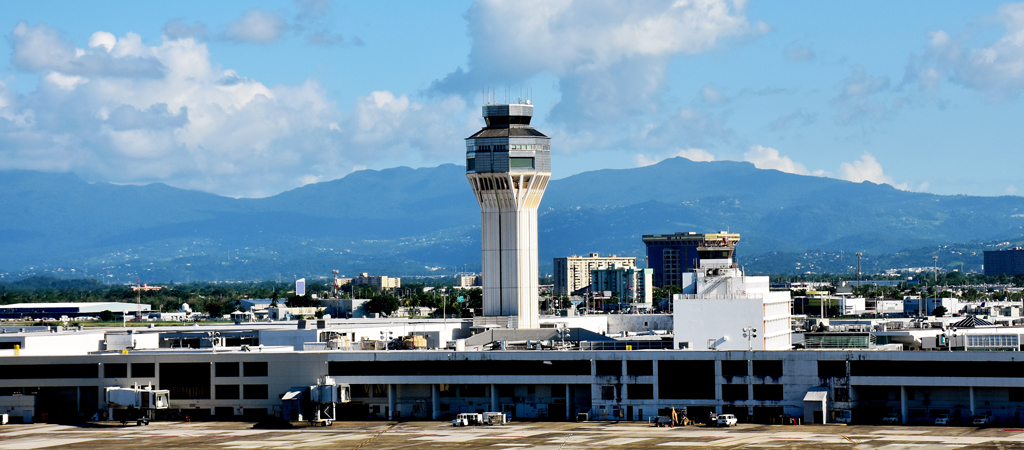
(250, 99)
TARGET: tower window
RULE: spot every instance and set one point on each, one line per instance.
(518, 163)
(470, 163)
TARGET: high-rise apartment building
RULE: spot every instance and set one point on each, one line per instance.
(631, 285)
(1009, 261)
(508, 164)
(672, 254)
(572, 273)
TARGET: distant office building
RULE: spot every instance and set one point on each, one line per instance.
(382, 282)
(468, 281)
(630, 284)
(572, 273)
(1009, 261)
(672, 254)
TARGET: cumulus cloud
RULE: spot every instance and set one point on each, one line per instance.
(712, 96)
(40, 48)
(997, 68)
(693, 154)
(256, 26)
(197, 126)
(610, 57)
(769, 158)
(866, 168)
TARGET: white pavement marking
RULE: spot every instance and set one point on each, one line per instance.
(25, 444)
(619, 441)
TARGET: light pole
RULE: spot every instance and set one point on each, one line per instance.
(749, 333)
(950, 335)
(386, 337)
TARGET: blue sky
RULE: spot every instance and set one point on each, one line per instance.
(249, 99)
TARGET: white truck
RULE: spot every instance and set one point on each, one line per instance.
(139, 401)
(467, 419)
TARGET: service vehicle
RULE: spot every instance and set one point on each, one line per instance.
(982, 419)
(467, 419)
(727, 420)
(892, 419)
(943, 419)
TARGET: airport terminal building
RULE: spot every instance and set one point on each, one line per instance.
(250, 382)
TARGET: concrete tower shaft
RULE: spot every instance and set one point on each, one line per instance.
(508, 164)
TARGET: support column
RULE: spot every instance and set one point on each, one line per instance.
(568, 402)
(392, 394)
(654, 367)
(718, 384)
(972, 400)
(903, 405)
(435, 402)
(494, 398)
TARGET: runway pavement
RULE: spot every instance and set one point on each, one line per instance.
(550, 435)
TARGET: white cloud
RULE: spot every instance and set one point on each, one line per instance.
(693, 154)
(997, 69)
(769, 158)
(256, 26)
(1010, 190)
(610, 57)
(102, 39)
(197, 126)
(866, 168)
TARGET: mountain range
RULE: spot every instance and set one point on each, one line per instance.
(406, 222)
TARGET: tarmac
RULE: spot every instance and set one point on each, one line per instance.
(519, 435)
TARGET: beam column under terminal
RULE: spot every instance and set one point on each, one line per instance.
(494, 397)
(904, 409)
(435, 401)
(392, 396)
(971, 400)
(568, 402)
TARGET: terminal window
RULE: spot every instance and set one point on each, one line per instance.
(143, 370)
(613, 368)
(186, 380)
(119, 370)
(734, 392)
(734, 368)
(640, 391)
(227, 392)
(639, 367)
(767, 368)
(255, 369)
(227, 369)
(255, 391)
(768, 392)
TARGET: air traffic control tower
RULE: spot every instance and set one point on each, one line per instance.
(508, 164)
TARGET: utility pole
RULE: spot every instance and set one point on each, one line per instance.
(935, 269)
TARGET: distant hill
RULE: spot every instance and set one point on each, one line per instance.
(405, 221)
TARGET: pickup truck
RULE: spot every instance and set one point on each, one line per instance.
(982, 419)
(943, 419)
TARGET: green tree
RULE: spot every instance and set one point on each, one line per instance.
(107, 316)
(383, 304)
(214, 309)
(939, 311)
